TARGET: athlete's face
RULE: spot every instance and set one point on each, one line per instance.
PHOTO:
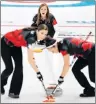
(42, 34)
(43, 11)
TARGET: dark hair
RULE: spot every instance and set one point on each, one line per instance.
(39, 15)
(42, 27)
(29, 28)
(49, 41)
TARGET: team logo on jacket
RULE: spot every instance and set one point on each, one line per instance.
(32, 32)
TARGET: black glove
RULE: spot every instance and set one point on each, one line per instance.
(60, 80)
(39, 76)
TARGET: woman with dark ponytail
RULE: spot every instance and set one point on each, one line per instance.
(11, 44)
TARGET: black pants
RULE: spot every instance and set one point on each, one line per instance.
(7, 54)
(80, 64)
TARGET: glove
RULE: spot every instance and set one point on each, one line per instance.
(39, 76)
(60, 80)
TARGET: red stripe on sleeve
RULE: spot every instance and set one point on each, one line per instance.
(54, 22)
(86, 46)
(63, 52)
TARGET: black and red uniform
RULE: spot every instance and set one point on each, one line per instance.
(85, 51)
(11, 47)
(21, 37)
(50, 24)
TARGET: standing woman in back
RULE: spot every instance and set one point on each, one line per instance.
(45, 17)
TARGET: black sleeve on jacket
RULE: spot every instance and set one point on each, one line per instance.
(34, 21)
(52, 19)
(31, 38)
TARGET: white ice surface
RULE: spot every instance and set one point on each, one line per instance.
(32, 90)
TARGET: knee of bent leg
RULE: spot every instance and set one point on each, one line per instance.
(75, 70)
(19, 68)
(19, 65)
(9, 69)
(92, 78)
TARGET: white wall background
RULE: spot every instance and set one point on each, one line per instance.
(18, 17)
